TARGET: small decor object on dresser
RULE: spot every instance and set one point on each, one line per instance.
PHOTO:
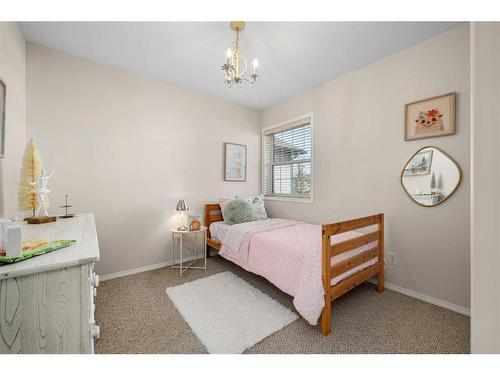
(30, 249)
(235, 166)
(3, 222)
(66, 206)
(432, 117)
(40, 189)
(33, 193)
(10, 238)
(3, 92)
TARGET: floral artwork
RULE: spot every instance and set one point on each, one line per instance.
(432, 117)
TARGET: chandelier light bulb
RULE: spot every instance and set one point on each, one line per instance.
(255, 64)
(228, 53)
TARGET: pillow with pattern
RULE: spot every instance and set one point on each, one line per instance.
(259, 209)
(237, 211)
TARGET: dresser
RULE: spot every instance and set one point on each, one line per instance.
(47, 302)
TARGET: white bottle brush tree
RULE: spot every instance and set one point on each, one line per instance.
(31, 170)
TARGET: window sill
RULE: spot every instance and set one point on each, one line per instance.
(290, 199)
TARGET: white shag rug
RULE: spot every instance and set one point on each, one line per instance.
(227, 314)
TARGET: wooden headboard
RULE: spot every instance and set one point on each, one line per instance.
(213, 213)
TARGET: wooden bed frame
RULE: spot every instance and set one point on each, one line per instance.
(213, 214)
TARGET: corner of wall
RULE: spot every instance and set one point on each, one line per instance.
(13, 73)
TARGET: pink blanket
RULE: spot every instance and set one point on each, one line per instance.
(288, 254)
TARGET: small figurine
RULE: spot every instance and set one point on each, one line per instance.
(195, 225)
(42, 192)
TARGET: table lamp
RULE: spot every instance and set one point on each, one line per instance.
(182, 207)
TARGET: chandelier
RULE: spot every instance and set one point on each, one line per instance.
(236, 65)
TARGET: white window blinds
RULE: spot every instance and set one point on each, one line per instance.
(288, 160)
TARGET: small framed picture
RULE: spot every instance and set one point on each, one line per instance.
(3, 94)
(194, 221)
(420, 164)
(235, 162)
(432, 117)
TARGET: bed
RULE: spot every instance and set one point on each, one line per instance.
(313, 263)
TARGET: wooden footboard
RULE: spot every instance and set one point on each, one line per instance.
(329, 272)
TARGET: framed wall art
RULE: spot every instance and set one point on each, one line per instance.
(432, 117)
(235, 162)
(3, 94)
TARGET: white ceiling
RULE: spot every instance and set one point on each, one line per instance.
(294, 56)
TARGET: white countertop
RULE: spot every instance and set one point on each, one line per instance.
(80, 228)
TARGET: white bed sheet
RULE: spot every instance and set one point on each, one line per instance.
(219, 229)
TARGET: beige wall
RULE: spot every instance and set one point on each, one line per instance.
(359, 152)
(127, 148)
(485, 329)
(12, 72)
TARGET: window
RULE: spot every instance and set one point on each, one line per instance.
(287, 160)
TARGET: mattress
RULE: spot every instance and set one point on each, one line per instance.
(219, 229)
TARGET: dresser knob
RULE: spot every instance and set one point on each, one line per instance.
(95, 280)
(95, 330)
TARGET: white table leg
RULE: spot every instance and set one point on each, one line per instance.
(173, 249)
(180, 249)
(205, 248)
(195, 247)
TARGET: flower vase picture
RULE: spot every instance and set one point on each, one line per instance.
(433, 117)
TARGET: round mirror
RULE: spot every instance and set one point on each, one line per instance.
(430, 177)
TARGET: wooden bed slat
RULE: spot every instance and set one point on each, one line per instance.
(214, 218)
(213, 214)
(346, 285)
(329, 271)
(348, 264)
(354, 243)
(214, 244)
(349, 225)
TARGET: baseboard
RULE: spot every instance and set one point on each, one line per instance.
(435, 301)
(142, 269)
(407, 292)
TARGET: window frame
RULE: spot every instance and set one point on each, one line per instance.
(285, 198)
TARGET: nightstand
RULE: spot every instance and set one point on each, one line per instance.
(181, 236)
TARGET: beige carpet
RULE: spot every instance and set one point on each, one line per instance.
(136, 316)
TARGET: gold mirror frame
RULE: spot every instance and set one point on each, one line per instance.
(450, 194)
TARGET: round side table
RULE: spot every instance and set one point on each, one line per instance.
(180, 235)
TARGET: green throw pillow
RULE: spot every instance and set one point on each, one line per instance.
(237, 211)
